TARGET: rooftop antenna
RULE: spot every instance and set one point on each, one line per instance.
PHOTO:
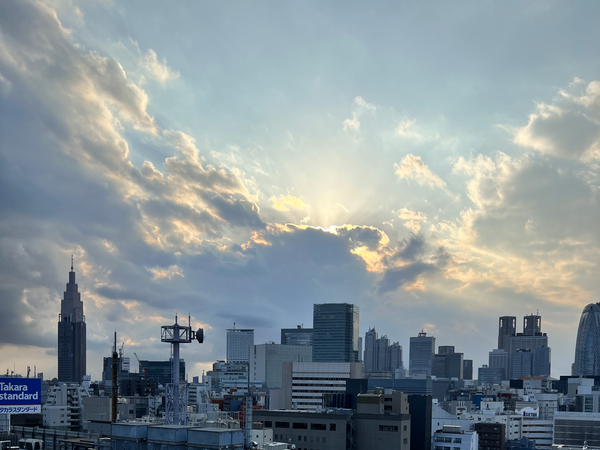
(176, 395)
(71, 263)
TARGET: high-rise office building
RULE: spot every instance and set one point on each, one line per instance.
(71, 334)
(296, 336)
(467, 369)
(335, 332)
(383, 345)
(422, 349)
(370, 350)
(239, 342)
(537, 343)
(498, 359)
(587, 347)
(161, 371)
(507, 328)
(395, 357)
(532, 325)
(447, 363)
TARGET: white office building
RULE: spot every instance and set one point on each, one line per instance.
(305, 383)
(64, 407)
(239, 342)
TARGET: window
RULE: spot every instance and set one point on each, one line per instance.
(282, 424)
(318, 426)
(324, 440)
(405, 428)
(268, 424)
(332, 427)
(405, 441)
(457, 440)
(300, 426)
(388, 428)
(299, 438)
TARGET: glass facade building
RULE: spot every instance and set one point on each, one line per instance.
(587, 347)
(335, 332)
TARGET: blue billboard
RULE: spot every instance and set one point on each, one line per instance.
(20, 395)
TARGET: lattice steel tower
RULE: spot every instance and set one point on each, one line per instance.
(176, 394)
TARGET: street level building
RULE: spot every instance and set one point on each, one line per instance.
(63, 409)
(454, 437)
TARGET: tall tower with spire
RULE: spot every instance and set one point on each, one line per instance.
(71, 334)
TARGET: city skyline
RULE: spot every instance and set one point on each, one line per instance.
(242, 164)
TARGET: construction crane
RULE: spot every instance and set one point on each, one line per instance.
(140, 365)
(121, 350)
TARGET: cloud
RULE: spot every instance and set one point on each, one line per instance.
(412, 167)
(413, 219)
(169, 272)
(361, 106)
(569, 128)
(158, 69)
(351, 124)
(282, 203)
(406, 128)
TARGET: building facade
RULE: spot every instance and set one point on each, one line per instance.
(421, 354)
(304, 383)
(160, 371)
(266, 361)
(297, 336)
(71, 334)
(587, 347)
(335, 332)
(239, 342)
(63, 409)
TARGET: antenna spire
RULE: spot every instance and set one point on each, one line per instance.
(71, 263)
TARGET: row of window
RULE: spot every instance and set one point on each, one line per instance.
(447, 439)
(301, 425)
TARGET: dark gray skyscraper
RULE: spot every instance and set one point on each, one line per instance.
(421, 354)
(532, 325)
(71, 334)
(587, 347)
(507, 328)
(335, 332)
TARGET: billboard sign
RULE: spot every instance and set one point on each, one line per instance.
(20, 396)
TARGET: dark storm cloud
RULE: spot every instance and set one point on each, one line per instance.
(67, 186)
(358, 236)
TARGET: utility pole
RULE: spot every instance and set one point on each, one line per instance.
(115, 387)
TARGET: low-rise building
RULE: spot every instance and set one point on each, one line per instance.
(63, 409)
(454, 437)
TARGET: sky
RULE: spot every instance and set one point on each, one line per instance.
(434, 163)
